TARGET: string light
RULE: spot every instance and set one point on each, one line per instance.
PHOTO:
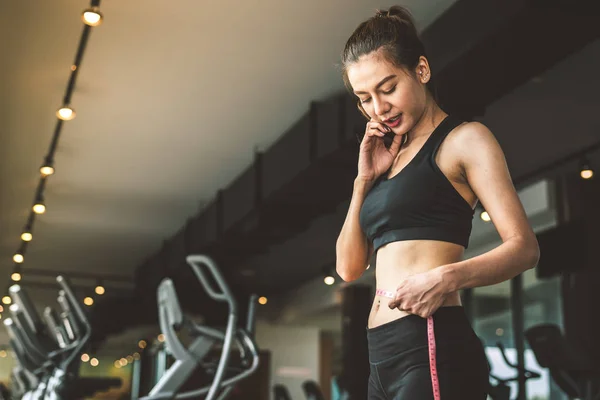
(142, 344)
(85, 357)
(94, 362)
(6, 300)
(88, 301)
(65, 113)
(262, 300)
(91, 17)
(16, 275)
(161, 338)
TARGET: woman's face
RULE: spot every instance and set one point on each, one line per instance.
(388, 94)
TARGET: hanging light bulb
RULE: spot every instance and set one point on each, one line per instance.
(18, 258)
(6, 300)
(16, 275)
(26, 236)
(47, 169)
(92, 16)
(586, 171)
(329, 280)
(88, 301)
(65, 113)
(39, 207)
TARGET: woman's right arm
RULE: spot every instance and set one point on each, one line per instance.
(353, 250)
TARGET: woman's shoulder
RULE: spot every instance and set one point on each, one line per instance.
(472, 140)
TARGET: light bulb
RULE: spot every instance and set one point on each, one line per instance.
(142, 344)
(46, 170)
(92, 16)
(100, 290)
(94, 362)
(485, 216)
(88, 301)
(26, 236)
(6, 300)
(117, 364)
(18, 258)
(65, 113)
(123, 362)
(39, 208)
(161, 338)
(587, 173)
(85, 357)
(16, 277)
(329, 280)
(262, 300)
(129, 359)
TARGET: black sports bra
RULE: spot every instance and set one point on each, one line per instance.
(419, 202)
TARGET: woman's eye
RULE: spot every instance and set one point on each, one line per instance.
(390, 91)
(364, 101)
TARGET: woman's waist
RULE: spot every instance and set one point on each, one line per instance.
(398, 260)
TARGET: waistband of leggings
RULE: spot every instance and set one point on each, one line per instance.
(450, 323)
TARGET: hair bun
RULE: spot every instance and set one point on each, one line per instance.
(396, 11)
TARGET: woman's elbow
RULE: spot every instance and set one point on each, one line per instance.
(346, 272)
(532, 252)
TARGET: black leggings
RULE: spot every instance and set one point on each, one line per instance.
(399, 359)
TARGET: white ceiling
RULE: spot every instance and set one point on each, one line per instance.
(172, 99)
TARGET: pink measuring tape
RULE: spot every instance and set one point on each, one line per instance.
(435, 382)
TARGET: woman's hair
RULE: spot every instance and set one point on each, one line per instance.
(393, 32)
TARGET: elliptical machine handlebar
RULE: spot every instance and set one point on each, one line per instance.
(225, 296)
(74, 306)
(528, 374)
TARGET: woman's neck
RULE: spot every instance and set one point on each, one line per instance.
(432, 116)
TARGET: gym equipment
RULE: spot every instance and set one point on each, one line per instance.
(172, 320)
(574, 372)
(281, 392)
(47, 355)
(502, 391)
(312, 391)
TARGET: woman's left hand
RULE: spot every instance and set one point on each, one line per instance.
(421, 294)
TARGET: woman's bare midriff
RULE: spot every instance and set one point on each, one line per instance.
(397, 260)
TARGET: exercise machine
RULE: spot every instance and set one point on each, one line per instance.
(501, 391)
(188, 359)
(48, 354)
(574, 372)
(312, 390)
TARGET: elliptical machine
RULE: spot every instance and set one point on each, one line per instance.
(47, 355)
(502, 391)
(172, 320)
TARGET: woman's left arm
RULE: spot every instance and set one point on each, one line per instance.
(485, 168)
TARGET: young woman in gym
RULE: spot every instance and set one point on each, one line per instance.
(411, 213)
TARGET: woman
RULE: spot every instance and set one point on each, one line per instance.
(411, 210)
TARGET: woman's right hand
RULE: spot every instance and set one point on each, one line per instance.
(374, 158)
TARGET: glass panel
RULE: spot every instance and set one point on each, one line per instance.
(492, 322)
(542, 298)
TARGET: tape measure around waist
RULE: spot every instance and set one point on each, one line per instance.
(435, 382)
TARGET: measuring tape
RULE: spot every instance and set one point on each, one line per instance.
(435, 382)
